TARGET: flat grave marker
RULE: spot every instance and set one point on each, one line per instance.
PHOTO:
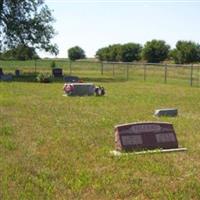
(168, 112)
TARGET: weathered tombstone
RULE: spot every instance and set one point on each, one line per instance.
(79, 89)
(17, 72)
(57, 72)
(145, 136)
(1, 72)
(6, 77)
(71, 79)
(170, 112)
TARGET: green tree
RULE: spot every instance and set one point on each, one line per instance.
(76, 53)
(103, 54)
(130, 52)
(110, 53)
(114, 53)
(117, 52)
(186, 52)
(26, 22)
(22, 52)
(155, 51)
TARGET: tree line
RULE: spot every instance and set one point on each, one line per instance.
(154, 51)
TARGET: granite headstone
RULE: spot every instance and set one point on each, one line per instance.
(17, 72)
(57, 72)
(145, 136)
(1, 72)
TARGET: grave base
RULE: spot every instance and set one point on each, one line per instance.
(118, 153)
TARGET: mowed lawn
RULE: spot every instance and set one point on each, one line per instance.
(55, 147)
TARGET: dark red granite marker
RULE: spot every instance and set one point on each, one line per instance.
(145, 136)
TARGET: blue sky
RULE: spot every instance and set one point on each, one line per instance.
(92, 24)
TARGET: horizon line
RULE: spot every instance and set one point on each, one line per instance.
(125, 1)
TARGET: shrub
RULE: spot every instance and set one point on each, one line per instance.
(76, 53)
(44, 78)
(155, 51)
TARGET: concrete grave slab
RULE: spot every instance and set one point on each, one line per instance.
(118, 153)
(169, 112)
(79, 89)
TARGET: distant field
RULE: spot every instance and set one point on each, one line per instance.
(55, 147)
(86, 69)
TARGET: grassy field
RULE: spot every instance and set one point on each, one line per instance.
(55, 147)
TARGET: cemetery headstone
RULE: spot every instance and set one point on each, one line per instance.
(170, 112)
(1, 72)
(57, 72)
(17, 72)
(145, 136)
(79, 89)
(6, 77)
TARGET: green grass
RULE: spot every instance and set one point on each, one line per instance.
(55, 147)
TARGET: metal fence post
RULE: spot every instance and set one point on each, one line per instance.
(70, 67)
(35, 64)
(166, 73)
(198, 75)
(113, 69)
(191, 76)
(101, 68)
(127, 71)
(144, 72)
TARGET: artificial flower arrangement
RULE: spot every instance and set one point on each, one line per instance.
(68, 88)
(44, 78)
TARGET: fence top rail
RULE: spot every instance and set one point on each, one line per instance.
(86, 61)
(108, 62)
(155, 64)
